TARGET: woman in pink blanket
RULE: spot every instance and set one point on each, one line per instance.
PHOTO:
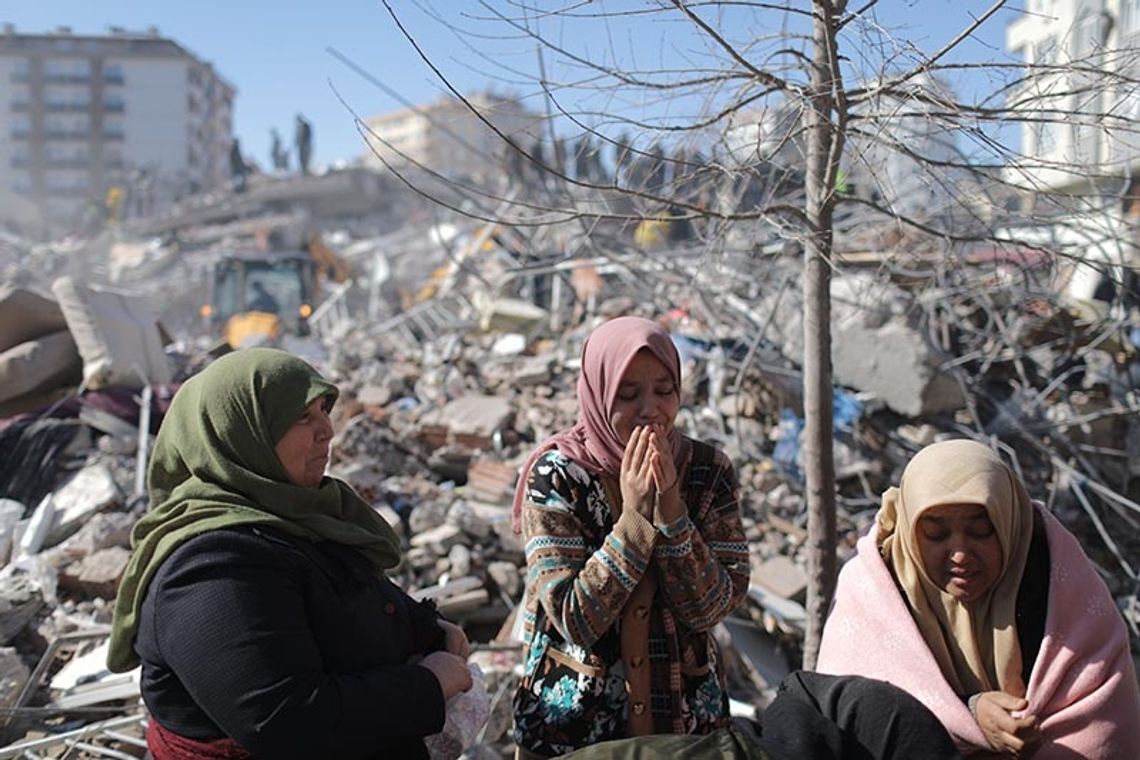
(985, 608)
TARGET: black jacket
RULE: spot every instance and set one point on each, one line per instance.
(293, 649)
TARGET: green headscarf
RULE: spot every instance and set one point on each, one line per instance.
(214, 466)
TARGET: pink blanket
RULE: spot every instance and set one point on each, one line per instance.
(1082, 685)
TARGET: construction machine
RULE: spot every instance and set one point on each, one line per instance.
(255, 297)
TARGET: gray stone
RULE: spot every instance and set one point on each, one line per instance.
(874, 347)
(781, 576)
(506, 577)
(533, 370)
(20, 600)
(439, 539)
(13, 675)
(459, 556)
(374, 395)
(90, 490)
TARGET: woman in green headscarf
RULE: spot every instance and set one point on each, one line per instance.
(255, 600)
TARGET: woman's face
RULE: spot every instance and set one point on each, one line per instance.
(304, 449)
(646, 395)
(960, 549)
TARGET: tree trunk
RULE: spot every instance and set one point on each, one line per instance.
(818, 456)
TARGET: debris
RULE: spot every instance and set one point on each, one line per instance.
(463, 354)
(13, 674)
(97, 574)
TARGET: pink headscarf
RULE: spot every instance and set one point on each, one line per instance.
(592, 442)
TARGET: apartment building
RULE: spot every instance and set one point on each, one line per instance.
(446, 137)
(82, 114)
(1076, 130)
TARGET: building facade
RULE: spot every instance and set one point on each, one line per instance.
(447, 138)
(134, 117)
(1079, 97)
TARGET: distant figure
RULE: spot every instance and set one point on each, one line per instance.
(262, 299)
(278, 155)
(238, 168)
(303, 137)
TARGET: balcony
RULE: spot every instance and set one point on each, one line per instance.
(69, 78)
(68, 134)
(20, 134)
(112, 77)
(60, 107)
(112, 135)
(20, 162)
(20, 106)
(114, 106)
(68, 162)
(20, 77)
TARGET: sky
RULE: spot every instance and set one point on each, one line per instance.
(277, 53)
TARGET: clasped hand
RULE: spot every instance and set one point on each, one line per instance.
(647, 469)
(1018, 737)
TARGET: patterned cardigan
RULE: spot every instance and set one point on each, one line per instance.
(583, 567)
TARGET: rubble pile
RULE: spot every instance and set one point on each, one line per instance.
(471, 358)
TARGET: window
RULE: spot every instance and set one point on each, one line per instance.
(1089, 33)
(1044, 138)
(1045, 52)
(21, 70)
(21, 182)
(113, 128)
(1130, 16)
(21, 126)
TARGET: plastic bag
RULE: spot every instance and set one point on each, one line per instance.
(467, 713)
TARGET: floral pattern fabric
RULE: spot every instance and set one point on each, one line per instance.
(582, 568)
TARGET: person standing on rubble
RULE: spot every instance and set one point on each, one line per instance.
(239, 169)
(979, 603)
(303, 139)
(635, 550)
(278, 156)
(255, 599)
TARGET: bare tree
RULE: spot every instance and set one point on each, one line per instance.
(762, 122)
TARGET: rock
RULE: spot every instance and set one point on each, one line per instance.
(509, 344)
(102, 531)
(374, 395)
(459, 605)
(91, 490)
(505, 576)
(532, 371)
(781, 576)
(439, 539)
(459, 557)
(98, 574)
(13, 675)
(20, 600)
(492, 480)
(427, 514)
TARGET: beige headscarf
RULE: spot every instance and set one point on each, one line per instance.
(975, 646)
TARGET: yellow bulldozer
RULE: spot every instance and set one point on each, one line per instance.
(255, 297)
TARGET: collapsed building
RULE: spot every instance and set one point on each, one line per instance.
(456, 345)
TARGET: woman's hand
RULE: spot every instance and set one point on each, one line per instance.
(456, 639)
(666, 479)
(451, 672)
(1005, 733)
(638, 487)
